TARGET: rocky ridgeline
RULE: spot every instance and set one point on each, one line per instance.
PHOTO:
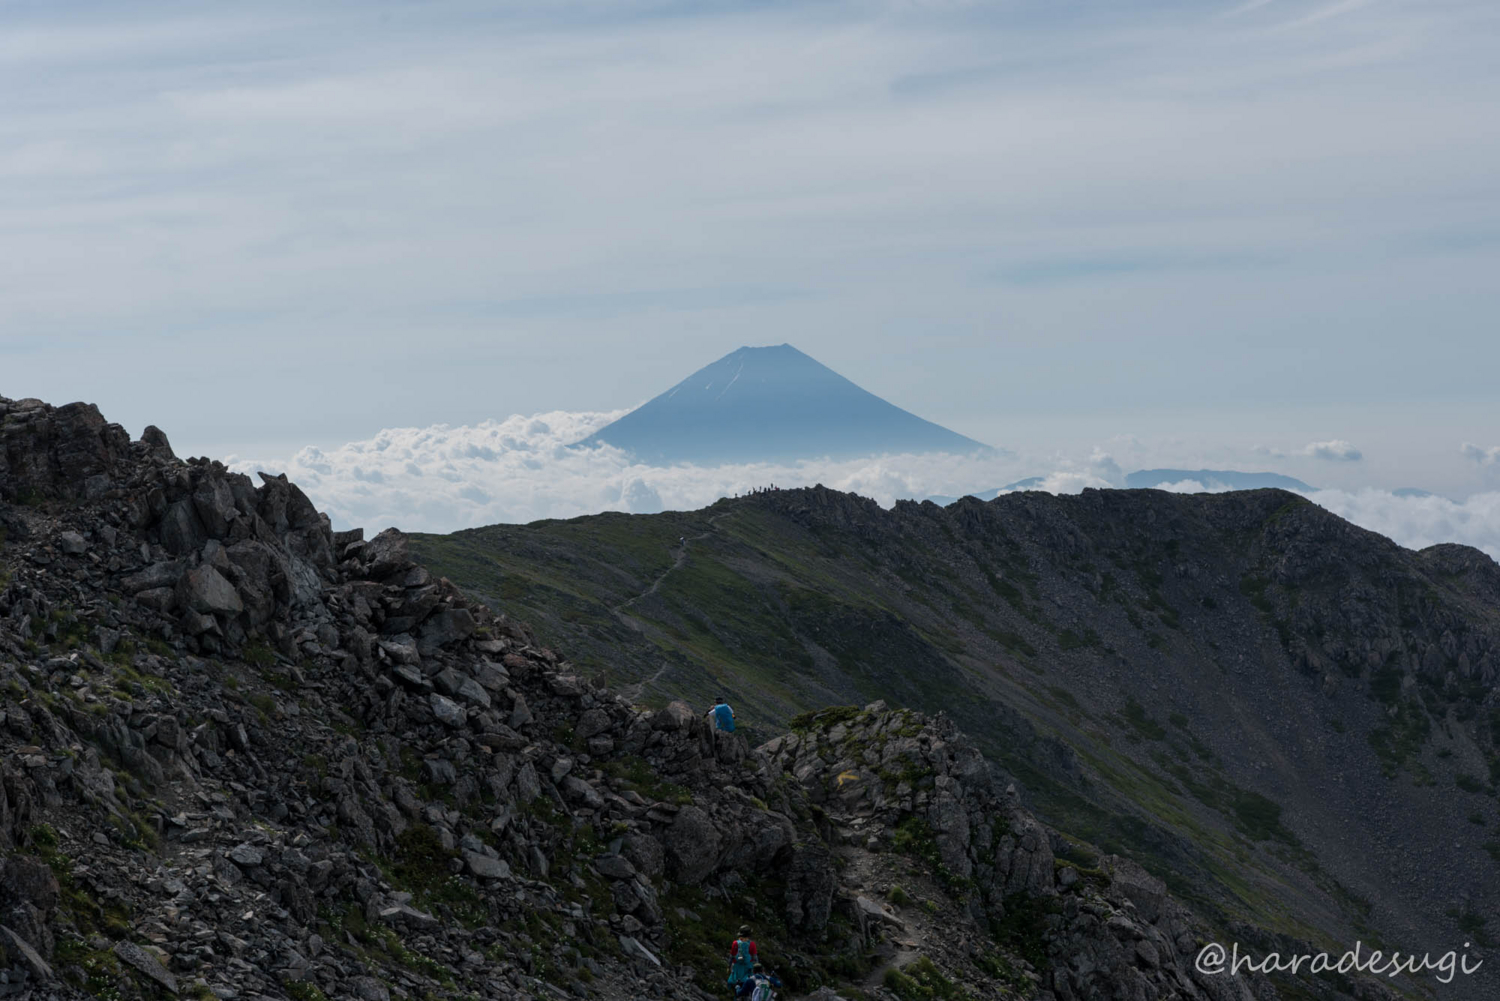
(244, 756)
(1345, 600)
(1109, 929)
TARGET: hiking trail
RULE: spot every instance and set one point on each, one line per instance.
(682, 554)
(635, 691)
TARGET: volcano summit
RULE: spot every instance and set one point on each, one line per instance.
(771, 404)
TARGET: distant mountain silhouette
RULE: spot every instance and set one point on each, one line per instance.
(771, 404)
(1213, 479)
(1029, 483)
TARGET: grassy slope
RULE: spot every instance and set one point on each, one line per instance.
(1131, 677)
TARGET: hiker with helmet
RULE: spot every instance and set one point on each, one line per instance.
(742, 958)
(722, 715)
(759, 986)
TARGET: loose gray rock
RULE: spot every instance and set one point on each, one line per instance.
(486, 867)
(39, 967)
(471, 691)
(448, 712)
(204, 589)
(245, 855)
(614, 866)
(146, 963)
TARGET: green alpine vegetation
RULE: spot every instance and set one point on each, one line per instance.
(1212, 685)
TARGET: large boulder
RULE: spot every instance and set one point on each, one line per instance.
(811, 883)
(692, 844)
(262, 579)
(214, 504)
(182, 531)
(28, 896)
(204, 589)
(443, 627)
(675, 716)
(155, 439)
(1023, 856)
(68, 451)
(385, 554)
(765, 836)
(645, 853)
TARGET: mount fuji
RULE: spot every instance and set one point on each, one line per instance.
(771, 404)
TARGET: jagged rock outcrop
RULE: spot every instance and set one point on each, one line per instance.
(901, 779)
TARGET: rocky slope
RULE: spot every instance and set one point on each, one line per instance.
(1292, 721)
(244, 756)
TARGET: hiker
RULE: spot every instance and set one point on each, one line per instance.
(759, 986)
(742, 958)
(722, 715)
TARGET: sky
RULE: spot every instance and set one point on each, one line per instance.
(1169, 234)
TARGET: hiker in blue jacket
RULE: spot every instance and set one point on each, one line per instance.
(722, 715)
(759, 986)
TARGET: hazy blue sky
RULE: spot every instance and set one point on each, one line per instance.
(1227, 231)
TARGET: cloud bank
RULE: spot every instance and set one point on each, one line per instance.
(444, 478)
(1418, 522)
(1412, 520)
(1336, 450)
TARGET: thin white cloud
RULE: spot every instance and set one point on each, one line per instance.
(1192, 487)
(1338, 9)
(1247, 7)
(1103, 465)
(1068, 476)
(1335, 450)
(1484, 456)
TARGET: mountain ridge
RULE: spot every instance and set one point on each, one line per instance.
(245, 756)
(1226, 675)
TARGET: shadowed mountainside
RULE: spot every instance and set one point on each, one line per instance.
(1291, 720)
(245, 756)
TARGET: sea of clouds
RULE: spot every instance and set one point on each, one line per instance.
(444, 478)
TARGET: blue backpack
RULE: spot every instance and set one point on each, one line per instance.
(724, 717)
(742, 961)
